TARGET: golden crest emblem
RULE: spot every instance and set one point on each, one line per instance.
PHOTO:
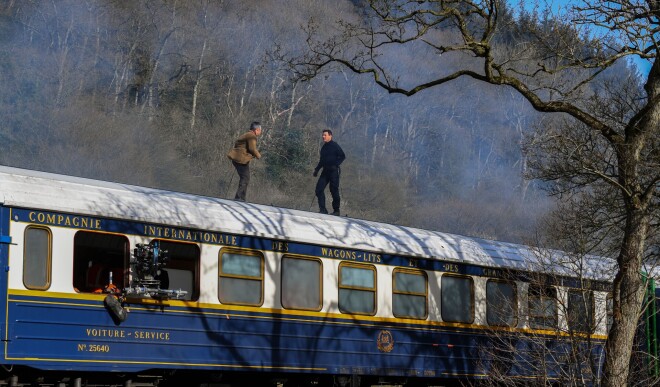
(385, 341)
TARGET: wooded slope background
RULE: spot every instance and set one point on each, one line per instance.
(154, 93)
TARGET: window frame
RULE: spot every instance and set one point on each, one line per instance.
(472, 299)
(126, 266)
(374, 291)
(49, 258)
(515, 302)
(196, 273)
(241, 251)
(305, 258)
(542, 294)
(426, 291)
(591, 311)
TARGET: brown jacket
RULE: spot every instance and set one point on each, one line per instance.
(245, 149)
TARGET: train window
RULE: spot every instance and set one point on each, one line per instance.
(409, 293)
(501, 303)
(357, 289)
(182, 268)
(241, 277)
(37, 258)
(542, 307)
(301, 283)
(98, 257)
(580, 312)
(457, 299)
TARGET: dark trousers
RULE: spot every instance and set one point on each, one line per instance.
(328, 176)
(243, 171)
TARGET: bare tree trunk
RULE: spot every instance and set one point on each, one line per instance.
(150, 87)
(629, 288)
(97, 55)
(293, 104)
(63, 63)
(248, 89)
(122, 63)
(275, 85)
(373, 150)
(628, 297)
(198, 79)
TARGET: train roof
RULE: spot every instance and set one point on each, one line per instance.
(61, 193)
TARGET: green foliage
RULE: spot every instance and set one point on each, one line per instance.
(287, 154)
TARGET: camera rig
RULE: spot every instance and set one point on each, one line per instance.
(149, 277)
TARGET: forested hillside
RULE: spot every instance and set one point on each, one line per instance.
(155, 92)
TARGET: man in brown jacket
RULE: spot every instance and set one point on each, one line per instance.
(243, 151)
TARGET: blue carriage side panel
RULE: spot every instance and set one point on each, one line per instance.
(5, 240)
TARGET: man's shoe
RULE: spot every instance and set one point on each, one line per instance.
(323, 211)
(336, 213)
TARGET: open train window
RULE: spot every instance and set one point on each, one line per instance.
(301, 283)
(182, 269)
(357, 289)
(409, 293)
(457, 298)
(581, 309)
(501, 303)
(37, 258)
(241, 277)
(98, 256)
(542, 303)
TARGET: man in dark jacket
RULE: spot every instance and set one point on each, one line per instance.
(243, 151)
(331, 157)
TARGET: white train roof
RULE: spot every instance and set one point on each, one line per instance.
(53, 192)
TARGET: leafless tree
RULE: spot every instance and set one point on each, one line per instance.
(560, 63)
(564, 308)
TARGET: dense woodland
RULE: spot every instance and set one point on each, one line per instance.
(154, 93)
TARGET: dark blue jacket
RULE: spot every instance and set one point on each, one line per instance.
(331, 155)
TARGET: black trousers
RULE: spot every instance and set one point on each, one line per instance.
(328, 176)
(243, 171)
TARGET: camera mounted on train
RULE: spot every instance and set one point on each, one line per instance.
(149, 277)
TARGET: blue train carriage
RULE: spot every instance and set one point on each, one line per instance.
(119, 282)
(649, 332)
